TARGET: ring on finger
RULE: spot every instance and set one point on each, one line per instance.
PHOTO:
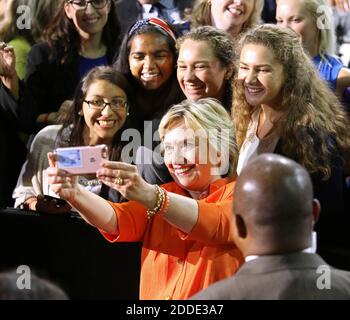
(119, 181)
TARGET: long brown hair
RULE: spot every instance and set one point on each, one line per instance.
(62, 35)
(71, 133)
(313, 124)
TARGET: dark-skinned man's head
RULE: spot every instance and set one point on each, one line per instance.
(274, 209)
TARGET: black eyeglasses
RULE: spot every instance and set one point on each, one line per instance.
(82, 4)
(117, 104)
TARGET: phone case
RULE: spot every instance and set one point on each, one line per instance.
(81, 160)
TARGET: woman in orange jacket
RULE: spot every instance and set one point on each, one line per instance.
(185, 225)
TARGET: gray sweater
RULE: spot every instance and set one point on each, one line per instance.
(32, 180)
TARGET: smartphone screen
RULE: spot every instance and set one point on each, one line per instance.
(81, 160)
(69, 158)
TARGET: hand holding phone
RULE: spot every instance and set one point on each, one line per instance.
(81, 160)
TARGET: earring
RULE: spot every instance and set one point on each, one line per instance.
(128, 114)
(80, 113)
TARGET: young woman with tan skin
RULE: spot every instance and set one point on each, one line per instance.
(147, 57)
(98, 115)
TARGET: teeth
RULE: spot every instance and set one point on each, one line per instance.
(193, 87)
(109, 123)
(92, 20)
(182, 170)
(150, 75)
(251, 90)
(235, 11)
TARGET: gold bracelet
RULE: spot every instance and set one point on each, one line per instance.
(159, 202)
(165, 206)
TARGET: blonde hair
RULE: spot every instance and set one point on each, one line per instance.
(312, 114)
(322, 18)
(210, 116)
(201, 14)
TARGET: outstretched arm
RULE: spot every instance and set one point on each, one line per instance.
(94, 209)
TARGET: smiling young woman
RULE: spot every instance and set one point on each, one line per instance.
(147, 57)
(282, 106)
(205, 64)
(81, 35)
(231, 16)
(98, 115)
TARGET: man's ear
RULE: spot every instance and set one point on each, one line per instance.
(316, 209)
(240, 226)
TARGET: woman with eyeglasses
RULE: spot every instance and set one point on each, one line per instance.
(81, 35)
(98, 115)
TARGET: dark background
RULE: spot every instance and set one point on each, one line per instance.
(71, 253)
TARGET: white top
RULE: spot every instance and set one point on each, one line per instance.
(33, 179)
(252, 145)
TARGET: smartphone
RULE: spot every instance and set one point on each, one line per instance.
(81, 160)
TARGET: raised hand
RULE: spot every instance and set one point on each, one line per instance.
(7, 60)
(125, 178)
(62, 183)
